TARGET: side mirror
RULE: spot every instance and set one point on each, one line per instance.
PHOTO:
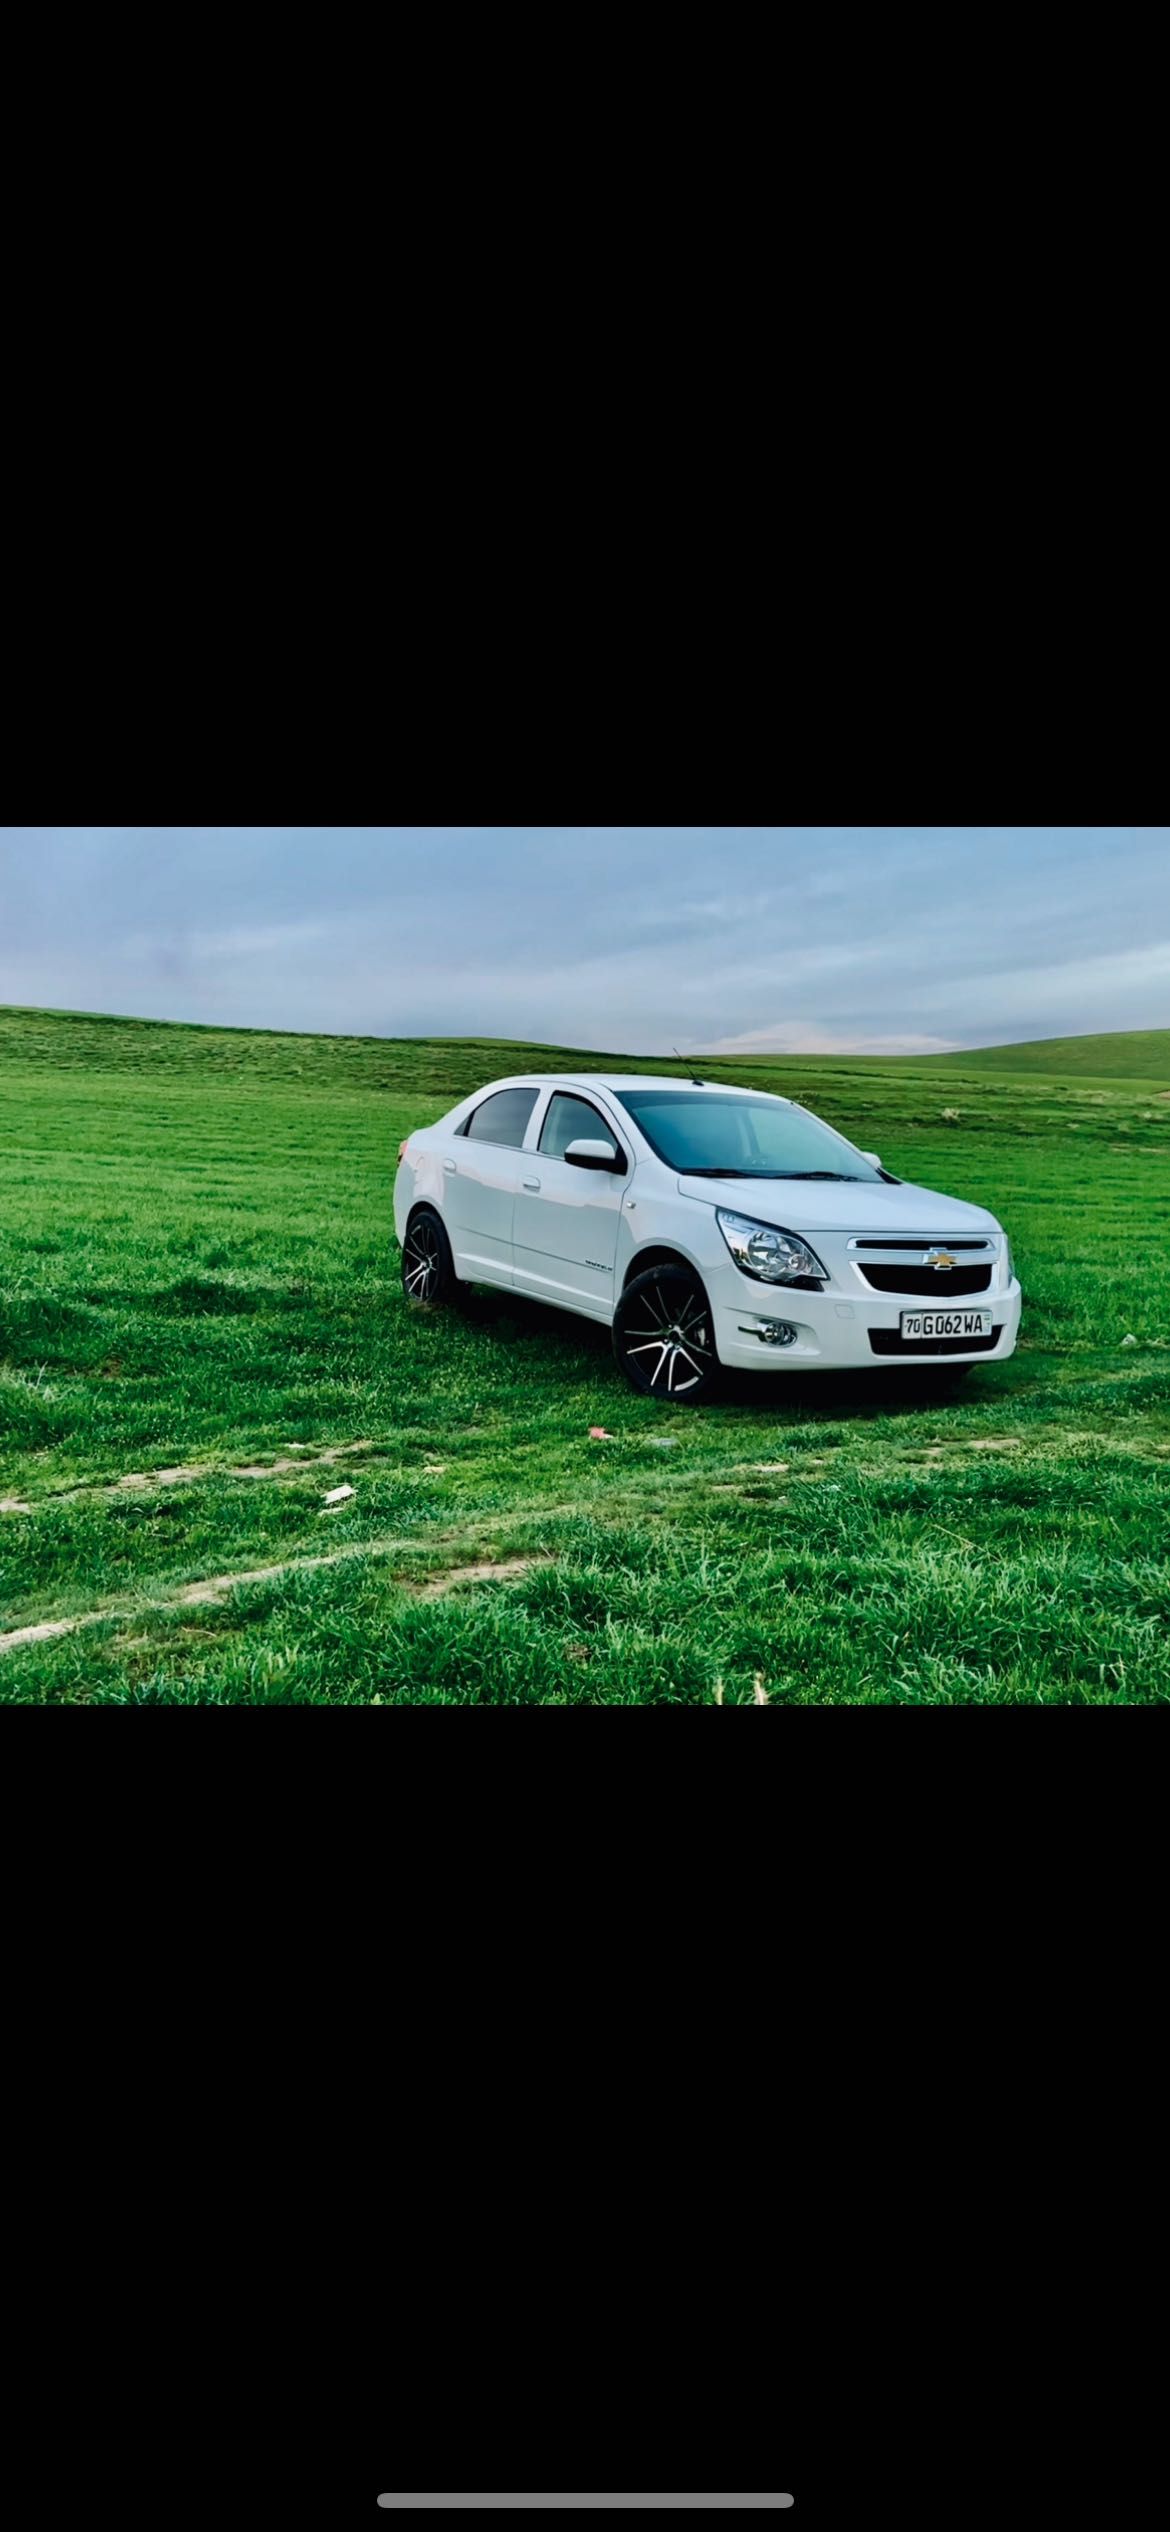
(588, 1155)
(875, 1160)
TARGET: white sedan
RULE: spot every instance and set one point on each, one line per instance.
(705, 1225)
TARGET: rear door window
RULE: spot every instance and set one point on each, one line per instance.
(503, 1119)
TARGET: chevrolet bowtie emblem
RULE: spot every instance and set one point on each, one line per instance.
(941, 1260)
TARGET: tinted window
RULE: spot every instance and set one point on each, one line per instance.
(572, 1120)
(743, 1137)
(503, 1119)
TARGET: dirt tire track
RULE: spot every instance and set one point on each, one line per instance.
(191, 1475)
(214, 1588)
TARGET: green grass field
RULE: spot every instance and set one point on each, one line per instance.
(202, 1335)
(1143, 1054)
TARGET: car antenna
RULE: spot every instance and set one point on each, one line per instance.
(695, 1077)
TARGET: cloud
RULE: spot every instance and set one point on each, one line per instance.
(1120, 983)
(883, 940)
(806, 1037)
(256, 940)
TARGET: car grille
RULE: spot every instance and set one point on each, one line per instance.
(918, 1279)
(919, 1244)
(892, 1341)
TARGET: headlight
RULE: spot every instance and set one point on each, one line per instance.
(771, 1255)
(1008, 1268)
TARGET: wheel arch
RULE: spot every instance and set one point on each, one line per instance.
(421, 1204)
(660, 1254)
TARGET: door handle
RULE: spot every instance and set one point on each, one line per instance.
(449, 1167)
(532, 1184)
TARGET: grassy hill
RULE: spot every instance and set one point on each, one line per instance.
(1143, 1054)
(857, 1092)
(203, 1337)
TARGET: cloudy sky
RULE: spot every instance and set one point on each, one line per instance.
(629, 938)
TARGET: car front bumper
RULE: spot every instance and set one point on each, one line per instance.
(833, 1333)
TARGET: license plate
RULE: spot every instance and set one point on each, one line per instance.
(924, 1327)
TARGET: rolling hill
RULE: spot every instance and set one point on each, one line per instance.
(1138, 1054)
(1093, 1086)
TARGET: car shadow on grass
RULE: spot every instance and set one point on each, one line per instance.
(829, 1397)
(840, 1397)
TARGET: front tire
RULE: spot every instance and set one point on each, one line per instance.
(664, 1339)
(428, 1268)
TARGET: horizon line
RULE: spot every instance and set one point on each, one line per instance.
(707, 1055)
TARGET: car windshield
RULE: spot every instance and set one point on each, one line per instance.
(708, 1136)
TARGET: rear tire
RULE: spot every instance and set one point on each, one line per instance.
(664, 1339)
(428, 1268)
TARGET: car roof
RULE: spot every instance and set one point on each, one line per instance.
(630, 1081)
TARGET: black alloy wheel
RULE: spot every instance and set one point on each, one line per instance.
(663, 1337)
(428, 1270)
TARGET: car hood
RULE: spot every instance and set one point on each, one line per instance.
(802, 1204)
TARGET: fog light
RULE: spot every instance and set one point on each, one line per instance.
(777, 1332)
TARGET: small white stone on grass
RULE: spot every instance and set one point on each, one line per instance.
(1129, 1340)
(340, 1494)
